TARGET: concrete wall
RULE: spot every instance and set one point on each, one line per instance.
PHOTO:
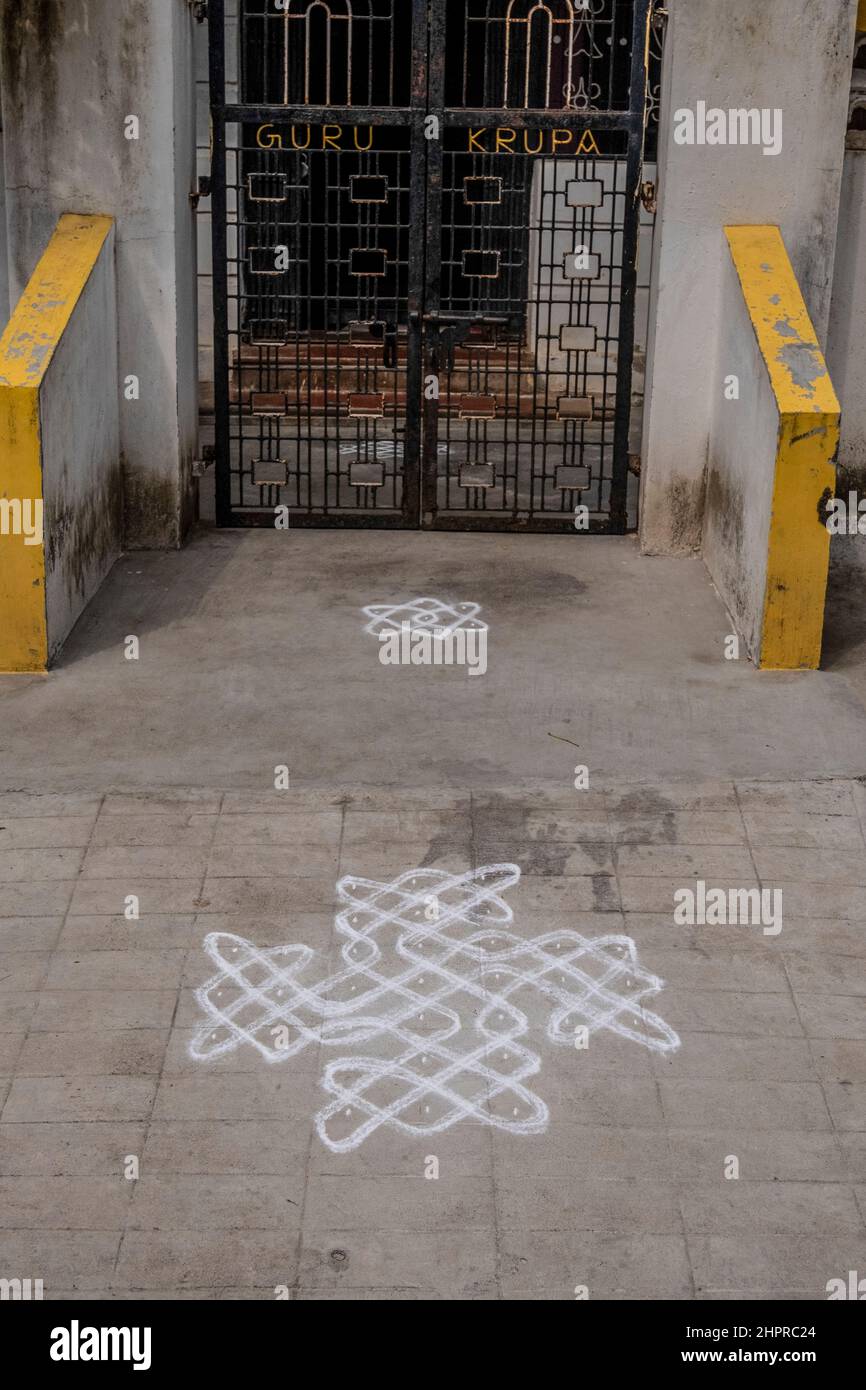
(791, 54)
(60, 465)
(741, 469)
(846, 350)
(80, 431)
(70, 74)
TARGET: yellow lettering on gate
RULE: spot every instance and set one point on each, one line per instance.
(538, 147)
(274, 141)
(369, 144)
(501, 142)
(331, 141)
(473, 140)
(588, 144)
(559, 137)
(295, 144)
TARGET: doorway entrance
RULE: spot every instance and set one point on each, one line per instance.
(425, 221)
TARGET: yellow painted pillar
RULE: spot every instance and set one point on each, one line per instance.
(26, 351)
(798, 543)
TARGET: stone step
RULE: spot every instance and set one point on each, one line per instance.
(383, 404)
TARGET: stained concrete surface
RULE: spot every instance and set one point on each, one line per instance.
(253, 652)
(155, 779)
(623, 1192)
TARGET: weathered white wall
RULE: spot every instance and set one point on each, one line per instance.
(70, 74)
(793, 54)
(4, 260)
(205, 231)
(741, 468)
(80, 433)
(846, 349)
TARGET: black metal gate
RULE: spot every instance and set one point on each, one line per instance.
(425, 220)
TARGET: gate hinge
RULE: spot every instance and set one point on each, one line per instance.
(660, 17)
(648, 196)
(199, 10)
(208, 456)
(203, 190)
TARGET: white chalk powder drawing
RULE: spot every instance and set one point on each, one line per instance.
(423, 615)
(424, 1013)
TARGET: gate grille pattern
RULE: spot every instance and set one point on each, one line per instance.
(415, 330)
(317, 363)
(527, 414)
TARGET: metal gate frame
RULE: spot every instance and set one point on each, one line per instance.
(427, 99)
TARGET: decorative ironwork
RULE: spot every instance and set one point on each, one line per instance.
(425, 229)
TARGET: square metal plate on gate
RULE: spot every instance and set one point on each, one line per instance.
(368, 188)
(269, 332)
(577, 338)
(366, 474)
(480, 338)
(267, 188)
(477, 475)
(367, 405)
(570, 479)
(478, 189)
(584, 193)
(481, 265)
(477, 407)
(368, 336)
(262, 261)
(365, 260)
(574, 407)
(590, 272)
(269, 403)
(270, 472)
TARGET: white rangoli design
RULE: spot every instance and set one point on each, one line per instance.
(426, 1013)
(423, 615)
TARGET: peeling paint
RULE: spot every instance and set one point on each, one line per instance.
(806, 365)
(810, 434)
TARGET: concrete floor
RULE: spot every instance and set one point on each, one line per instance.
(602, 1168)
(253, 652)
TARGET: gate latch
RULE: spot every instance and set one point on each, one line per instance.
(449, 337)
(201, 465)
(453, 331)
(648, 196)
(389, 353)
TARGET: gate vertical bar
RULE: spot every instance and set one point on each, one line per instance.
(217, 68)
(618, 523)
(433, 265)
(413, 444)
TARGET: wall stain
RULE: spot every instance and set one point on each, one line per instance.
(152, 516)
(684, 510)
(83, 539)
(30, 32)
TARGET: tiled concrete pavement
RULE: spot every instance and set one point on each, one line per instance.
(625, 1191)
